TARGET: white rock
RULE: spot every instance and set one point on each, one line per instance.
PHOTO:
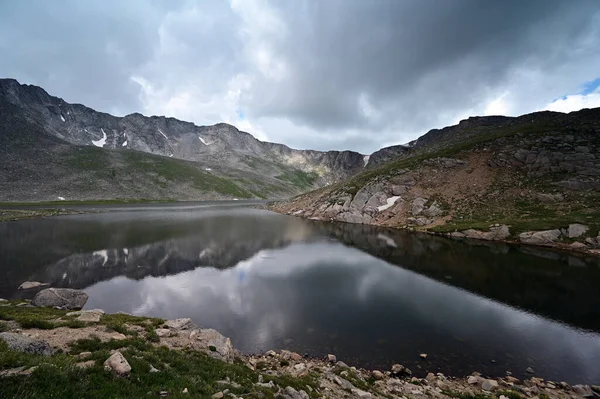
(577, 230)
(331, 358)
(27, 285)
(117, 363)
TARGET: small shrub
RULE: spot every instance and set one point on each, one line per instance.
(212, 348)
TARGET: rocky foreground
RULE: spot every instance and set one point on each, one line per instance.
(49, 349)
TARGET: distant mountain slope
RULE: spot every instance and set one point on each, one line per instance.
(260, 169)
(535, 172)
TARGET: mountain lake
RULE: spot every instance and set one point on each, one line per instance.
(371, 296)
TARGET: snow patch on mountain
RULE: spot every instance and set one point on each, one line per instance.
(390, 201)
(102, 141)
(164, 135)
(202, 140)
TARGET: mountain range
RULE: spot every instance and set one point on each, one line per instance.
(52, 149)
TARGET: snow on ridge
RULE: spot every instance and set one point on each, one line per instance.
(102, 141)
(390, 201)
(124, 144)
(202, 140)
(366, 160)
(164, 135)
(62, 118)
(61, 198)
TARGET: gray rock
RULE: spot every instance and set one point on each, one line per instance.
(398, 369)
(118, 364)
(213, 343)
(65, 298)
(418, 205)
(539, 237)
(489, 385)
(359, 393)
(577, 230)
(530, 370)
(472, 380)
(163, 332)
(291, 393)
(22, 343)
(583, 390)
(342, 365)
(27, 285)
(378, 375)
(154, 369)
(180, 324)
(578, 245)
(331, 358)
(433, 211)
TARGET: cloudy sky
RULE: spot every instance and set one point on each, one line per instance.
(334, 74)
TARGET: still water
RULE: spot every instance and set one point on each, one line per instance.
(372, 296)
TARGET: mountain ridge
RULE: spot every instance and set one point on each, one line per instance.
(258, 169)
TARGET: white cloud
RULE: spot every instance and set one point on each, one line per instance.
(575, 102)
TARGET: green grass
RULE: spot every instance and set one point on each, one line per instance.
(117, 165)
(116, 201)
(299, 178)
(58, 377)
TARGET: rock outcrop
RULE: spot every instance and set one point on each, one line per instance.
(22, 343)
(65, 298)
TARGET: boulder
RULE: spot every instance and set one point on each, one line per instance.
(489, 385)
(577, 245)
(65, 298)
(378, 375)
(398, 369)
(180, 324)
(577, 230)
(418, 205)
(583, 390)
(291, 393)
(433, 211)
(331, 358)
(22, 343)
(163, 332)
(90, 316)
(359, 393)
(539, 237)
(472, 380)
(118, 364)
(213, 343)
(27, 285)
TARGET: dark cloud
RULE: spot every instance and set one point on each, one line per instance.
(335, 74)
(413, 59)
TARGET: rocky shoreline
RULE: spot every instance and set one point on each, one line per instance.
(127, 350)
(571, 238)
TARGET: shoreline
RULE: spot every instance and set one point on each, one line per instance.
(469, 234)
(85, 341)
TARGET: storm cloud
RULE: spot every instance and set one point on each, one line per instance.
(336, 74)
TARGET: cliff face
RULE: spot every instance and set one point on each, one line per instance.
(536, 172)
(263, 169)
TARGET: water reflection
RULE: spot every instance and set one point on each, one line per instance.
(270, 281)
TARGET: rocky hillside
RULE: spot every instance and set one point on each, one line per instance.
(535, 178)
(72, 151)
